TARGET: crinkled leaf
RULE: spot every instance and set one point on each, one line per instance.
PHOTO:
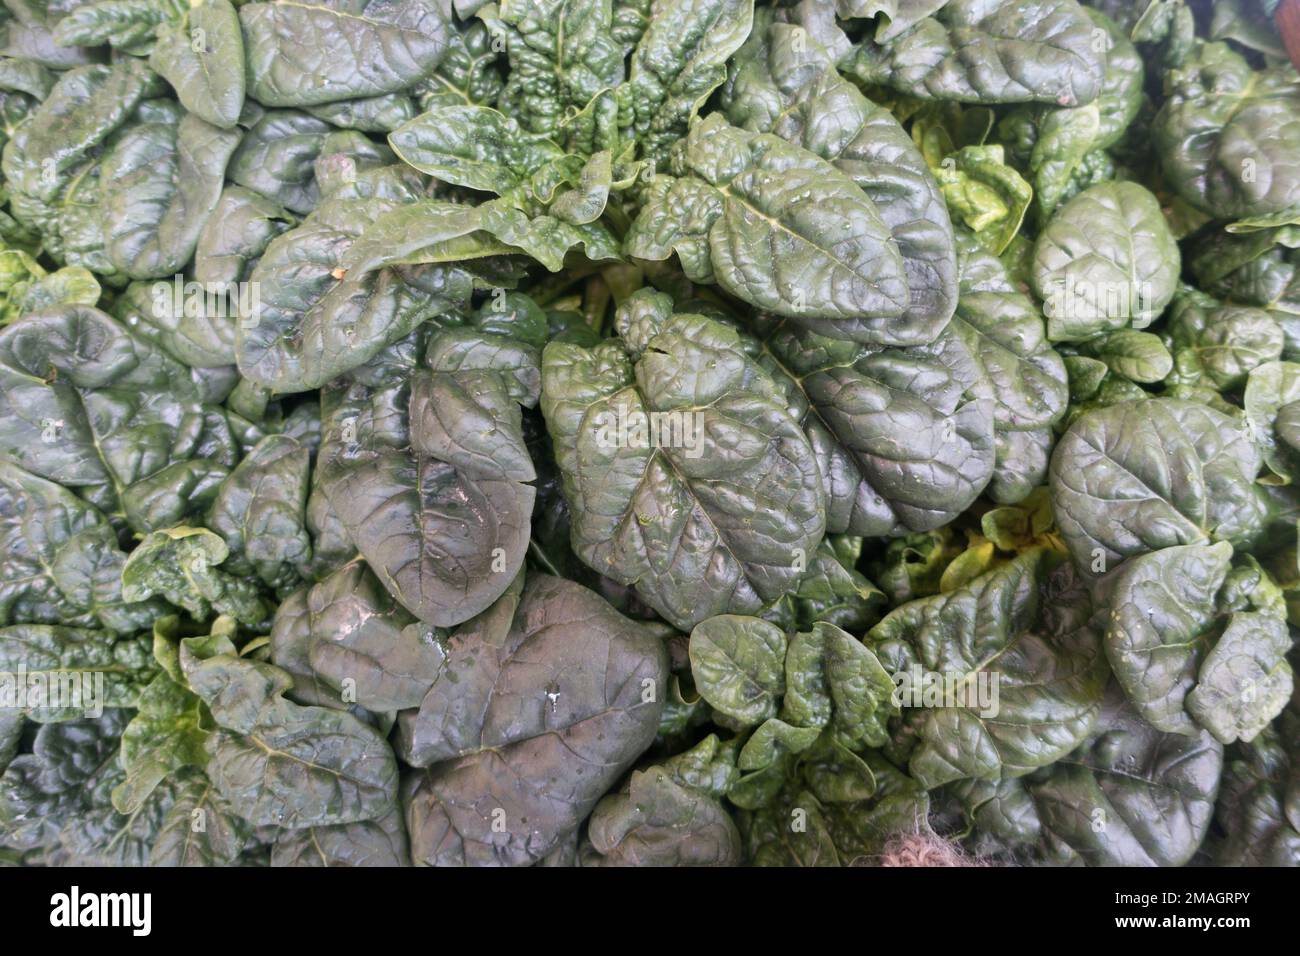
(441, 513)
(302, 54)
(1245, 680)
(784, 230)
(1131, 797)
(63, 673)
(61, 561)
(1143, 475)
(1029, 671)
(350, 634)
(710, 515)
(518, 738)
(738, 664)
(1221, 342)
(1137, 356)
(380, 842)
(282, 764)
(990, 51)
(235, 236)
(811, 106)
(668, 814)
(1105, 261)
(899, 444)
(200, 829)
(259, 510)
(202, 57)
(87, 404)
(180, 564)
(1229, 136)
(1272, 403)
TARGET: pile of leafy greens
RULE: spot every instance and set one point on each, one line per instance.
(648, 432)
